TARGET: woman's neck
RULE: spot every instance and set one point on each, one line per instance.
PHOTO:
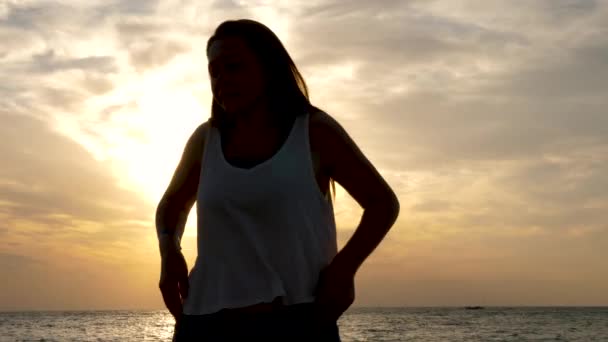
(259, 115)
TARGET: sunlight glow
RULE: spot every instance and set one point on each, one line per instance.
(167, 118)
(151, 118)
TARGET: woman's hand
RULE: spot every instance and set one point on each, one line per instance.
(335, 292)
(174, 281)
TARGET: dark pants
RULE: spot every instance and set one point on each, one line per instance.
(291, 323)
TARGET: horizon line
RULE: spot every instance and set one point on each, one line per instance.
(354, 307)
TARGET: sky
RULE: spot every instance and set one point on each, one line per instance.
(488, 119)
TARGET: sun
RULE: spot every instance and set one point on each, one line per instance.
(166, 119)
(145, 140)
(170, 103)
(158, 110)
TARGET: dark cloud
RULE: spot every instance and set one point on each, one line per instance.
(523, 115)
(122, 7)
(562, 12)
(48, 62)
(519, 112)
(31, 16)
(576, 179)
(559, 73)
(53, 22)
(469, 91)
(226, 5)
(146, 54)
(388, 39)
(333, 9)
(65, 99)
(132, 29)
(39, 97)
(432, 130)
(48, 82)
(150, 42)
(15, 41)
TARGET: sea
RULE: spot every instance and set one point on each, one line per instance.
(357, 324)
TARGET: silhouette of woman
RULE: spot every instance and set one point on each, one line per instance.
(260, 171)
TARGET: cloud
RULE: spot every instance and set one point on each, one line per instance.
(153, 53)
(51, 186)
(149, 42)
(139, 8)
(452, 90)
(226, 5)
(38, 17)
(96, 85)
(57, 204)
(48, 62)
(47, 283)
(492, 133)
(16, 261)
(491, 126)
(431, 206)
(487, 118)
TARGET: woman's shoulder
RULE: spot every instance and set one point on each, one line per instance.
(196, 142)
(323, 126)
(202, 131)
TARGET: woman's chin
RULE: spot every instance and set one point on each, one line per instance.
(234, 109)
(231, 110)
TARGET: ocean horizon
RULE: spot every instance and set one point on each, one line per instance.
(351, 309)
(361, 323)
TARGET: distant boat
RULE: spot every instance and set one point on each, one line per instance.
(473, 307)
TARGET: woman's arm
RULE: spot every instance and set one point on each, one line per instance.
(174, 207)
(342, 159)
(171, 216)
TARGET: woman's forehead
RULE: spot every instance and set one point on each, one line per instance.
(226, 48)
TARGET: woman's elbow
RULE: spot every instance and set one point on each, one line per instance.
(386, 205)
(162, 209)
(393, 205)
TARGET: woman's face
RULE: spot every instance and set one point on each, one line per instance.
(236, 75)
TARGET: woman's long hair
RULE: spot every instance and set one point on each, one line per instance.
(285, 86)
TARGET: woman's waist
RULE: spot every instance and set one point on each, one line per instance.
(275, 306)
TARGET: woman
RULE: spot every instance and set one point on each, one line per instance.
(260, 171)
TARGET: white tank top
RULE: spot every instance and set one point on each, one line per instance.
(263, 232)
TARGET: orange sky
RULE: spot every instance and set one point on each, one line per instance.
(487, 118)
